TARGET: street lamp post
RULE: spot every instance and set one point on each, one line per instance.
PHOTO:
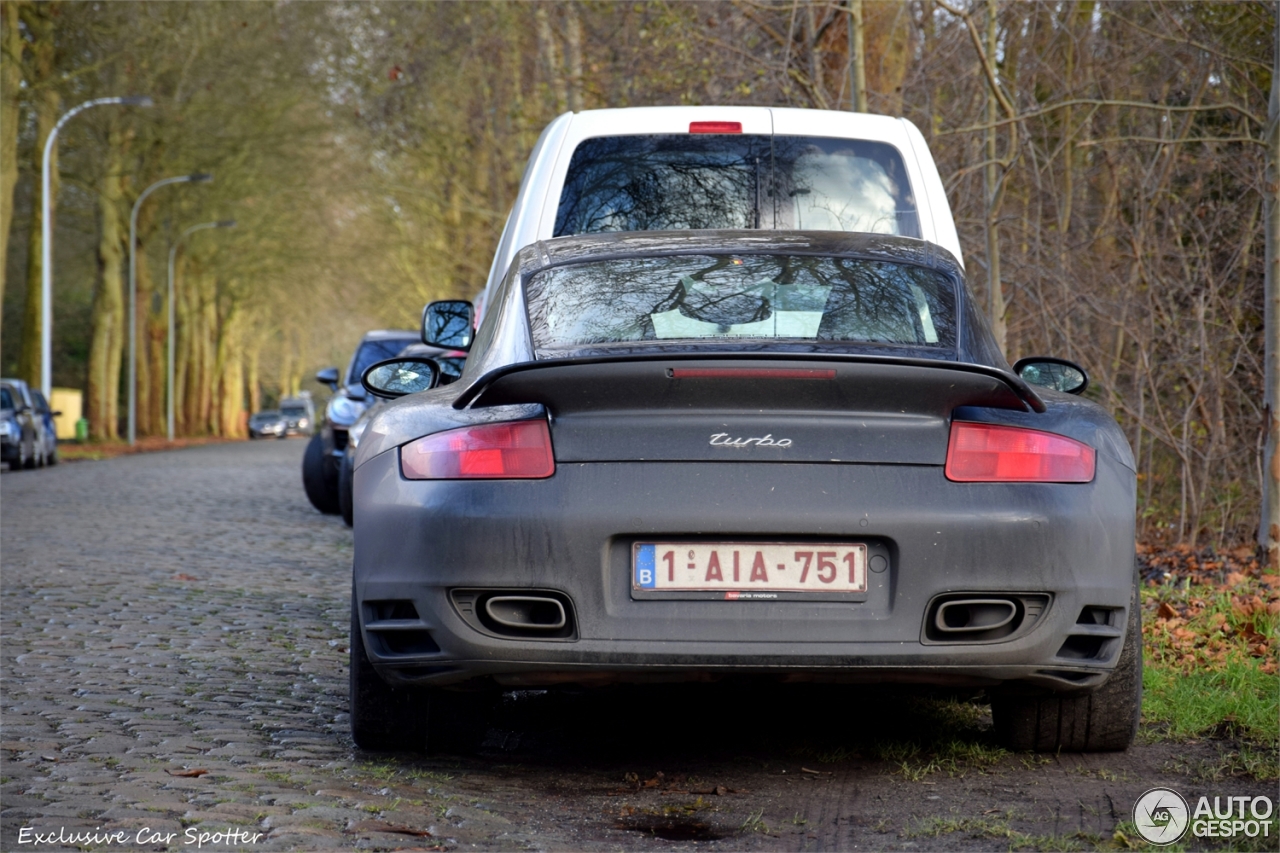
(46, 237)
(197, 178)
(173, 253)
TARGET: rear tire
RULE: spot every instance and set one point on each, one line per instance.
(1105, 720)
(346, 494)
(319, 478)
(420, 719)
(382, 717)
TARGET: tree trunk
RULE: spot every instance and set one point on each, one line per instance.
(890, 25)
(46, 103)
(573, 47)
(549, 52)
(108, 303)
(857, 58)
(11, 44)
(991, 191)
(182, 338)
(255, 387)
(229, 375)
(1269, 526)
(207, 377)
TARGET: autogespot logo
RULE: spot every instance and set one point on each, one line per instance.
(1161, 816)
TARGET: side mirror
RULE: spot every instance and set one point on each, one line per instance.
(328, 376)
(56, 414)
(448, 323)
(399, 376)
(1055, 373)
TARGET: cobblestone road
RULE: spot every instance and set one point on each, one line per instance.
(187, 613)
(173, 641)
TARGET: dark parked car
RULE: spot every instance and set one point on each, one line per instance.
(709, 455)
(49, 429)
(268, 422)
(27, 435)
(320, 462)
(450, 364)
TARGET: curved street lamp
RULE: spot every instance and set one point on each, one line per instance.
(46, 237)
(173, 252)
(194, 178)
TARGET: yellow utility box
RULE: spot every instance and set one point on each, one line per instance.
(70, 402)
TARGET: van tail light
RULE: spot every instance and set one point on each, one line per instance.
(520, 450)
(987, 453)
(715, 127)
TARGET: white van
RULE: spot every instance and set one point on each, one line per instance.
(657, 168)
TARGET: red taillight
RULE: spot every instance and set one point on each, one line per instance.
(509, 451)
(715, 127)
(986, 453)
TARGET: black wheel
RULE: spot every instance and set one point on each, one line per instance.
(346, 476)
(382, 717)
(419, 719)
(1105, 720)
(29, 462)
(52, 458)
(320, 477)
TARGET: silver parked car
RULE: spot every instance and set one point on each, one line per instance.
(268, 422)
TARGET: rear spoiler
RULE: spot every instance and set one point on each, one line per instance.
(486, 390)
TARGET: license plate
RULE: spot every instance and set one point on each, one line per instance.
(748, 570)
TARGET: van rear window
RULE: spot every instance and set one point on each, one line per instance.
(697, 181)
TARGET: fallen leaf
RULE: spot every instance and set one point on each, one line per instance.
(718, 790)
(1166, 611)
(381, 826)
(182, 576)
(190, 774)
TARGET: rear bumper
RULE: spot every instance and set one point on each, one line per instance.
(572, 533)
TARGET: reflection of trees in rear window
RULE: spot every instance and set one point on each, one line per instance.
(295, 413)
(677, 181)
(702, 297)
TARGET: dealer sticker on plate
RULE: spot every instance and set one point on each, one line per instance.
(747, 570)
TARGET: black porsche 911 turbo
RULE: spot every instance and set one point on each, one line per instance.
(735, 455)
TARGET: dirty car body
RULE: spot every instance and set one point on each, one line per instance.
(758, 459)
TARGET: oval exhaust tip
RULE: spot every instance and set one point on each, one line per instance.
(526, 612)
(974, 614)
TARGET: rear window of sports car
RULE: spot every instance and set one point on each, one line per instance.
(741, 297)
